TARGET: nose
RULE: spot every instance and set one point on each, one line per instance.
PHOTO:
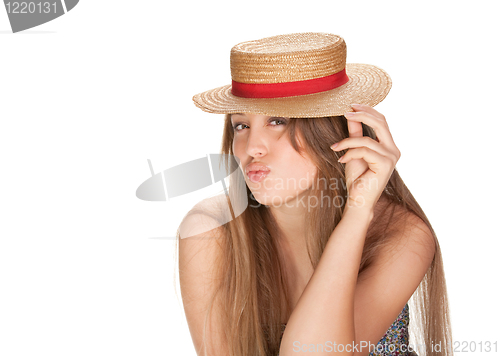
(256, 144)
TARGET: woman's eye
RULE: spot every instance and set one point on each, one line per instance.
(281, 121)
(236, 125)
(276, 120)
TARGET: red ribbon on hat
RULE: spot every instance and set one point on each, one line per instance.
(281, 90)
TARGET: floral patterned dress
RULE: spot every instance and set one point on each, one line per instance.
(395, 340)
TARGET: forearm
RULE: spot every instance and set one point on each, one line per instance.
(325, 311)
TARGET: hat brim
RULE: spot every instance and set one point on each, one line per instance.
(367, 85)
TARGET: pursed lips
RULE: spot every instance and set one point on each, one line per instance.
(257, 167)
(257, 171)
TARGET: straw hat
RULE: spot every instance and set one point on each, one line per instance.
(296, 75)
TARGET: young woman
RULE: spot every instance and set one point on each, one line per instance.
(327, 253)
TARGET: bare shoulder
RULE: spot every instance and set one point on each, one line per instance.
(420, 235)
(209, 215)
(201, 231)
(410, 232)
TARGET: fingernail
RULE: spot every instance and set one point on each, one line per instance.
(349, 114)
(355, 104)
(333, 146)
(340, 159)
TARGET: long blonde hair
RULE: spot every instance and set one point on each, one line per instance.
(251, 270)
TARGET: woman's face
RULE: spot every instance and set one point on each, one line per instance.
(261, 143)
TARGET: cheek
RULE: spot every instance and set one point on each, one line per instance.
(305, 169)
(298, 171)
(238, 152)
(237, 148)
(302, 176)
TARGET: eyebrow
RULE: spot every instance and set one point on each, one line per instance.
(271, 117)
(231, 118)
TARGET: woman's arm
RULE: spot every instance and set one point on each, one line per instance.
(325, 311)
(339, 310)
(199, 247)
(338, 307)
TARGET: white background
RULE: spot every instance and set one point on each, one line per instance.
(86, 99)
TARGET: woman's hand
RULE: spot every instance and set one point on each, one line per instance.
(369, 164)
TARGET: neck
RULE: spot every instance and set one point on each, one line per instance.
(290, 218)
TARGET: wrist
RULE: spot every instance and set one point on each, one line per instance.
(362, 213)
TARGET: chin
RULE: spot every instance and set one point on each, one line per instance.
(270, 199)
(257, 199)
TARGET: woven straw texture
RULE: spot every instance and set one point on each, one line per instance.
(296, 57)
(290, 58)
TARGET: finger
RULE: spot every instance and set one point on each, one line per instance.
(379, 126)
(356, 166)
(368, 109)
(355, 129)
(368, 142)
(376, 162)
